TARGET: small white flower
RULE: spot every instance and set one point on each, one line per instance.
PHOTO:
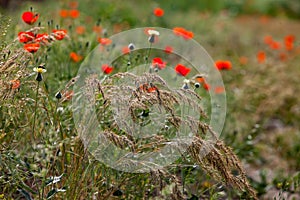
(187, 81)
(153, 32)
(39, 69)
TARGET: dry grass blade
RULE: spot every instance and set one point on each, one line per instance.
(220, 162)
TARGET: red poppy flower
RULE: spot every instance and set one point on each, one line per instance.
(200, 80)
(104, 41)
(107, 69)
(41, 37)
(158, 62)
(147, 88)
(25, 37)
(75, 57)
(68, 95)
(15, 84)
(206, 86)
(289, 38)
(32, 47)
(182, 70)
(289, 46)
(125, 50)
(275, 45)
(289, 42)
(179, 31)
(223, 65)
(168, 49)
(64, 13)
(74, 13)
(97, 29)
(261, 57)
(219, 89)
(29, 17)
(158, 12)
(59, 34)
(268, 39)
(243, 60)
(80, 30)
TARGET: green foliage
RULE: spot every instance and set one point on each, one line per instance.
(4, 25)
(33, 167)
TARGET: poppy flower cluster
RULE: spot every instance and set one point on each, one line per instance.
(72, 12)
(288, 42)
(32, 41)
(182, 32)
(149, 88)
(282, 48)
(268, 40)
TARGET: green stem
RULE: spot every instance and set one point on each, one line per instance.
(56, 115)
(148, 55)
(35, 108)
(59, 126)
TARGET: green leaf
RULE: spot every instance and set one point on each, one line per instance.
(25, 194)
(51, 193)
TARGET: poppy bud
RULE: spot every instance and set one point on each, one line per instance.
(197, 85)
(185, 86)
(118, 193)
(58, 95)
(151, 39)
(145, 113)
(131, 47)
(39, 77)
(98, 22)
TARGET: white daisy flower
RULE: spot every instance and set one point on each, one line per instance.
(153, 32)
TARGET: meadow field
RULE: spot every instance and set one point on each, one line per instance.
(58, 91)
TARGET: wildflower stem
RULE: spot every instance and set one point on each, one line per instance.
(56, 115)
(69, 70)
(148, 54)
(129, 62)
(35, 108)
(58, 127)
